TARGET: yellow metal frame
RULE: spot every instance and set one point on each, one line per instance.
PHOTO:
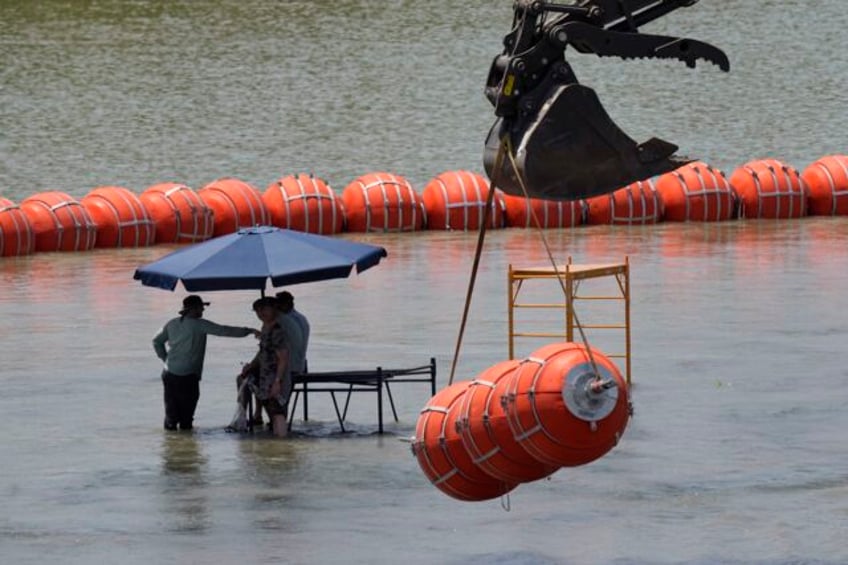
(572, 275)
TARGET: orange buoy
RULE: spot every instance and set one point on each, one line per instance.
(519, 212)
(485, 432)
(16, 237)
(637, 203)
(826, 181)
(236, 205)
(179, 215)
(456, 200)
(559, 411)
(120, 217)
(769, 189)
(382, 202)
(304, 203)
(59, 222)
(440, 452)
(696, 192)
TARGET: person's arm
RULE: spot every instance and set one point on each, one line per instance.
(159, 341)
(212, 328)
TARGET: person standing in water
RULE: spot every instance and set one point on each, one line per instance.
(269, 373)
(297, 352)
(181, 345)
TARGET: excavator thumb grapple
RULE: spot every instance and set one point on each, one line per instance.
(558, 142)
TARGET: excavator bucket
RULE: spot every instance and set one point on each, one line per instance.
(571, 149)
(552, 138)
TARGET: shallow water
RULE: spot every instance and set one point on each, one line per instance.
(736, 453)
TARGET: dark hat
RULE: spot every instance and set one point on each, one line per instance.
(193, 301)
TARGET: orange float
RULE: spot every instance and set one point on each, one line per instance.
(696, 192)
(304, 203)
(178, 213)
(59, 222)
(441, 455)
(120, 217)
(769, 189)
(456, 200)
(827, 186)
(236, 205)
(16, 237)
(634, 204)
(382, 202)
(485, 431)
(519, 212)
(558, 410)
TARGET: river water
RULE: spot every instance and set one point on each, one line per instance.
(737, 450)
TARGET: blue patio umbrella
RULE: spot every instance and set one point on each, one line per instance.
(245, 260)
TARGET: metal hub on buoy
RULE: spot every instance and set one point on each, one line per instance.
(590, 396)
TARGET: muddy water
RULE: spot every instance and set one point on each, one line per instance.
(736, 453)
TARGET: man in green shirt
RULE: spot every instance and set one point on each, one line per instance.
(181, 345)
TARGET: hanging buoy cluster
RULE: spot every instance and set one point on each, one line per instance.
(113, 216)
(520, 421)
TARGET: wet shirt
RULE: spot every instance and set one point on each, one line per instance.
(186, 343)
(271, 340)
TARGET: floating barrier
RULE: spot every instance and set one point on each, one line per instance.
(827, 186)
(456, 200)
(382, 202)
(521, 421)
(453, 200)
(16, 236)
(120, 217)
(179, 215)
(636, 203)
(696, 192)
(519, 212)
(557, 409)
(236, 205)
(485, 432)
(59, 222)
(769, 189)
(304, 203)
(441, 455)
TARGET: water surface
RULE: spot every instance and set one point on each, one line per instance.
(736, 453)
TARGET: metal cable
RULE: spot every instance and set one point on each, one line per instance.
(508, 143)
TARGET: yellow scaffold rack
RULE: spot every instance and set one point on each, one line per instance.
(572, 276)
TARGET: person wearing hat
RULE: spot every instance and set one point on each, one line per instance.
(181, 345)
